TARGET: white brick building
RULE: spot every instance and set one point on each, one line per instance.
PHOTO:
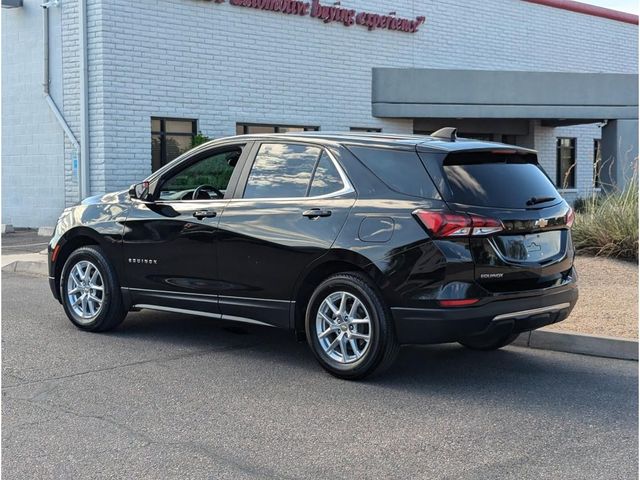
(224, 68)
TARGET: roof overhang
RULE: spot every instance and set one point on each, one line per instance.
(429, 93)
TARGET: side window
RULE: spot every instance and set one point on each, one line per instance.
(212, 174)
(326, 178)
(281, 171)
(400, 170)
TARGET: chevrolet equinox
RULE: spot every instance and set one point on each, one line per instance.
(360, 242)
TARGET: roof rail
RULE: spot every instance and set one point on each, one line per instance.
(446, 133)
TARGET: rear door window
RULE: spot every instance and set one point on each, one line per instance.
(501, 180)
(400, 170)
(326, 178)
(282, 171)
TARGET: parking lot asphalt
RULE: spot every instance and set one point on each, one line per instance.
(170, 396)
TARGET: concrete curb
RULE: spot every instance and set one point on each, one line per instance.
(31, 263)
(581, 343)
(46, 231)
(33, 268)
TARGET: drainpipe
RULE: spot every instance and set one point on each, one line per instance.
(84, 103)
(80, 151)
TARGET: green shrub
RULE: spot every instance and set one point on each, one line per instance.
(199, 139)
(583, 204)
(607, 225)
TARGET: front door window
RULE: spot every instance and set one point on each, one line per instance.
(206, 179)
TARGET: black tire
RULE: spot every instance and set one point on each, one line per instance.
(490, 341)
(383, 345)
(111, 312)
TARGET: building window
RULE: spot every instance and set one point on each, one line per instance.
(246, 128)
(566, 163)
(365, 129)
(597, 162)
(170, 138)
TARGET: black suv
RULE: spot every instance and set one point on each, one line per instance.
(361, 242)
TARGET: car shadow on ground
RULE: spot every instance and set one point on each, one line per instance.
(513, 374)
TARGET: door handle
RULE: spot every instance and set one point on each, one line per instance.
(200, 214)
(316, 212)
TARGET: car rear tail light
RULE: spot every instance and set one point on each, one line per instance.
(570, 217)
(485, 226)
(458, 303)
(441, 224)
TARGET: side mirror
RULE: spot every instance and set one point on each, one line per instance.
(139, 190)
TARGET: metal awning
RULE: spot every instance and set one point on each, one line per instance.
(436, 93)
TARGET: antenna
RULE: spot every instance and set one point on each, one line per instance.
(446, 133)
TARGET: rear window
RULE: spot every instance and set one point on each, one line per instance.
(489, 179)
(400, 170)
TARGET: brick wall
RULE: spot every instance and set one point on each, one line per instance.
(32, 151)
(545, 144)
(223, 64)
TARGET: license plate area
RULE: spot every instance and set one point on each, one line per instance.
(538, 247)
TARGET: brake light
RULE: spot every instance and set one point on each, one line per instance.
(441, 224)
(458, 303)
(570, 217)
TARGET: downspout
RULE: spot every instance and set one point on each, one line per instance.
(47, 96)
(84, 104)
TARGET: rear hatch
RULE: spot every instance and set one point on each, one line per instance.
(528, 245)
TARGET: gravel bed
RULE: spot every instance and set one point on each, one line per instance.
(608, 303)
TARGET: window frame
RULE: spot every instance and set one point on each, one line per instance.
(276, 127)
(163, 137)
(347, 187)
(365, 129)
(559, 176)
(597, 149)
(157, 180)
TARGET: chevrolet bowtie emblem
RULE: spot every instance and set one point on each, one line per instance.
(543, 222)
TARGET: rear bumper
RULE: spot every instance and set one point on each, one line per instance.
(441, 325)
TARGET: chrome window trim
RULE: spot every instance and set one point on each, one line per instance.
(202, 200)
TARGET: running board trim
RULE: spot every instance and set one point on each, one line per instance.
(533, 311)
(219, 316)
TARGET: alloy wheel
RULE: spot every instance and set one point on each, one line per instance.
(85, 291)
(343, 327)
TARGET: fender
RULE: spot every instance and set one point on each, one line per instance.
(335, 260)
(97, 220)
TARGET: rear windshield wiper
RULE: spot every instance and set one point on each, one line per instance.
(536, 200)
